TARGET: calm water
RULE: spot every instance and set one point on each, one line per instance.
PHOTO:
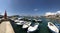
(42, 27)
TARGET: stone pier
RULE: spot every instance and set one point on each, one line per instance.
(6, 27)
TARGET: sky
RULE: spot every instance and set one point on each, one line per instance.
(29, 7)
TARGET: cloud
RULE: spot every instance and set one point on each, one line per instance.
(58, 12)
(49, 13)
(35, 9)
(52, 13)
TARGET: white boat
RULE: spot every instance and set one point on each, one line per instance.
(20, 18)
(53, 28)
(0, 19)
(58, 26)
(16, 20)
(29, 19)
(20, 23)
(12, 19)
(33, 28)
(26, 25)
(39, 20)
(35, 19)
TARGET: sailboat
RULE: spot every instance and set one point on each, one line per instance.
(33, 27)
(53, 28)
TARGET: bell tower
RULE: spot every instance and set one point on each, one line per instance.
(5, 15)
(5, 25)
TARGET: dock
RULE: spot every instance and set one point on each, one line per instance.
(6, 27)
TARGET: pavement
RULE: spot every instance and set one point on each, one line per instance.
(6, 27)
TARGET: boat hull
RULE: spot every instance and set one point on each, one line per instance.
(36, 31)
(52, 27)
(51, 30)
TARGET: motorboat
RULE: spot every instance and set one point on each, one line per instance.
(26, 25)
(33, 27)
(57, 25)
(20, 23)
(39, 20)
(20, 18)
(34, 20)
(29, 19)
(53, 28)
(16, 20)
(11, 18)
(0, 19)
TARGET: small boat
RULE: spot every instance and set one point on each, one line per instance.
(53, 28)
(40, 21)
(26, 25)
(11, 19)
(20, 18)
(58, 26)
(33, 28)
(29, 19)
(20, 23)
(0, 19)
(34, 20)
(16, 20)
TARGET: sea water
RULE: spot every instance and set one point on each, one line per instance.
(42, 27)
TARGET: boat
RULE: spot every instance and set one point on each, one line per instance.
(0, 19)
(11, 19)
(34, 20)
(40, 21)
(53, 28)
(37, 20)
(29, 20)
(20, 18)
(20, 23)
(26, 25)
(58, 26)
(33, 28)
(16, 20)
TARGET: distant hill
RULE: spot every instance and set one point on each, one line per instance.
(1, 16)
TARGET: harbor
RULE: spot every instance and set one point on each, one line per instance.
(28, 25)
(41, 29)
(29, 16)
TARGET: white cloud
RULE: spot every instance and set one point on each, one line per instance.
(49, 13)
(35, 9)
(58, 12)
(52, 13)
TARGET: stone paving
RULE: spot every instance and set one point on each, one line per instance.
(6, 27)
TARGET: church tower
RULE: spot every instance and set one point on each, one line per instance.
(6, 26)
(5, 15)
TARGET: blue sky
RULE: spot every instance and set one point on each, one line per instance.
(29, 7)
